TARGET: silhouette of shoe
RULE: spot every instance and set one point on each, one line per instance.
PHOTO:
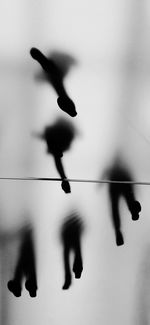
(66, 186)
(135, 210)
(67, 105)
(14, 287)
(135, 216)
(77, 275)
(119, 239)
(77, 269)
(31, 287)
(67, 284)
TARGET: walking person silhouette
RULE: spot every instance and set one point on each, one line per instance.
(25, 268)
(118, 172)
(71, 232)
(55, 75)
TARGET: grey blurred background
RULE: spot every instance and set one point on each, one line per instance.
(110, 85)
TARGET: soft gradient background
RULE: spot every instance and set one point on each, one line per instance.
(110, 85)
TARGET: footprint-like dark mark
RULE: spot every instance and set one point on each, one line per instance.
(25, 268)
(118, 172)
(71, 232)
(55, 68)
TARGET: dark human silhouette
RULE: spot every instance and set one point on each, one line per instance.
(58, 138)
(71, 239)
(118, 172)
(25, 268)
(55, 69)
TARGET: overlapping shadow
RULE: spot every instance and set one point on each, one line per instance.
(25, 267)
(71, 232)
(58, 138)
(55, 68)
(118, 172)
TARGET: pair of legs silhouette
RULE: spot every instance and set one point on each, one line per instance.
(25, 269)
(55, 76)
(15, 285)
(116, 191)
(71, 237)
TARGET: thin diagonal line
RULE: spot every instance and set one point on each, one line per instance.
(52, 179)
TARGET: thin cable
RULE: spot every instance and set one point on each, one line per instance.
(51, 179)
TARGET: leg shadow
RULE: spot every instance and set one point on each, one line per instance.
(25, 268)
(119, 172)
(114, 199)
(133, 205)
(55, 68)
(71, 239)
(58, 138)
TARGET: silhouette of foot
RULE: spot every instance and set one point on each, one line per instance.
(67, 284)
(77, 269)
(66, 186)
(119, 239)
(67, 105)
(135, 210)
(31, 287)
(14, 287)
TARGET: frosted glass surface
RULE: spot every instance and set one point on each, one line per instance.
(109, 84)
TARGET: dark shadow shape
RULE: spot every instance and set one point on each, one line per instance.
(64, 61)
(55, 72)
(58, 138)
(25, 268)
(71, 239)
(120, 173)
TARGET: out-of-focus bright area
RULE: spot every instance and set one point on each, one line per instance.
(110, 86)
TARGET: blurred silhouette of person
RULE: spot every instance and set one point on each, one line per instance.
(25, 268)
(55, 68)
(120, 173)
(58, 138)
(71, 231)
